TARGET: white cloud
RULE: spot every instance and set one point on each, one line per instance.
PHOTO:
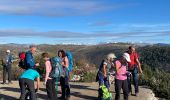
(55, 7)
(69, 34)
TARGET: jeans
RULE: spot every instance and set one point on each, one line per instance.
(121, 84)
(23, 83)
(51, 90)
(7, 69)
(135, 80)
(102, 80)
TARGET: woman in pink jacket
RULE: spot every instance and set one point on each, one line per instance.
(49, 82)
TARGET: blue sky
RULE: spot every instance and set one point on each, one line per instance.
(84, 21)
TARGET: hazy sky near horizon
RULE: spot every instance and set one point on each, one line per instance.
(84, 21)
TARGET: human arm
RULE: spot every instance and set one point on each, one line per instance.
(118, 67)
(138, 63)
(139, 66)
(113, 64)
(104, 70)
(65, 62)
(48, 70)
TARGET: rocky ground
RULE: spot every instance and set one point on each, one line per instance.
(79, 91)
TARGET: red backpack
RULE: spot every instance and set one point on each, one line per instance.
(22, 63)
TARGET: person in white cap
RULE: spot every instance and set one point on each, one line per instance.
(121, 76)
(7, 65)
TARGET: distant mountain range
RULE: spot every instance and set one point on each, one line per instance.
(163, 44)
(157, 53)
(68, 43)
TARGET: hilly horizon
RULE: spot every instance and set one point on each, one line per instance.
(99, 51)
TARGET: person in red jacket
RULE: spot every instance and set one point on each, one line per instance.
(134, 67)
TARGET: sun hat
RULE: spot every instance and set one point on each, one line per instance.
(127, 57)
(111, 55)
(8, 51)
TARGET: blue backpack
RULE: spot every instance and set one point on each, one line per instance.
(56, 67)
(70, 60)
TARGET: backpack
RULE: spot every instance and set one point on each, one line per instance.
(104, 93)
(56, 67)
(22, 63)
(70, 60)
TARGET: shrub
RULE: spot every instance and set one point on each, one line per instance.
(158, 81)
(90, 77)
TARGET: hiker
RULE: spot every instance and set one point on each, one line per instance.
(29, 59)
(121, 76)
(7, 65)
(49, 81)
(103, 73)
(134, 67)
(64, 79)
(26, 80)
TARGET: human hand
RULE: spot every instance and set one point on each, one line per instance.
(62, 63)
(128, 73)
(105, 75)
(141, 72)
(37, 64)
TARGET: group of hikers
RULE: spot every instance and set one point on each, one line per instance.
(57, 70)
(126, 68)
(53, 73)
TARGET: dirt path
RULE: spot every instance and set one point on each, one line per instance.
(79, 91)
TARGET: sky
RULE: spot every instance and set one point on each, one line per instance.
(84, 21)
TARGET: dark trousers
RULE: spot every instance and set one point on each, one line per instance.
(27, 83)
(51, 90)
(65, 87)
(121, 84)
(135, 80)
(7, 69)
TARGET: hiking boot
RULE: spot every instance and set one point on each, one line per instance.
(136, 94)
(61, 98)
(9, 82)
(67, 97)
(4, 83)
(130, 93)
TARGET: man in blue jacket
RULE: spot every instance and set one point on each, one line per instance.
(29, 60)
